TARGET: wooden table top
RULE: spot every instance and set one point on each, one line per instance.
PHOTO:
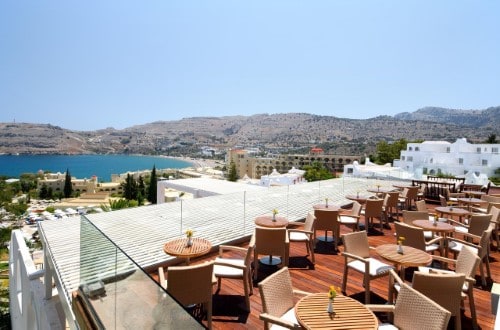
(267, 221)
(330, 207)
(411, 257)
(441, 227)
(311, 313)
(358, 198)
(452, 211)
(379, 190)
(470, 200)
(178, 247)
(473, 193)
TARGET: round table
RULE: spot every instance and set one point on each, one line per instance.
(311, 313)
(411, 257)
(474, 193)
(360, 198)
(452, 211)
(439, 227)
(328, 207)
(267, 221)
(178, 247)
(380, 190)
(470, 201)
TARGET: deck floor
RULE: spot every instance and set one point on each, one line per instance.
(228, 312)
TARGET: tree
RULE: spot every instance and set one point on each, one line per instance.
(129, 188)
(68, 188)
(232, 174)
(316, 172)
(492, 139)
(153, 182)
(387, 152)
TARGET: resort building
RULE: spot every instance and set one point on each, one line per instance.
(255, 167)
(55, 182)
(457, 158)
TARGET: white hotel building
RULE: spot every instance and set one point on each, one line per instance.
(458, 158)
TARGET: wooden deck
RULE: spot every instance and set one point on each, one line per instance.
(228, 305)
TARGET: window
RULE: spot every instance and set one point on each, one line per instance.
(485, 162)
(410, 158)
(494, 150)
(461, 161)
(417, 149)
(402, 157)
(350, 170)
(478, 150)
(448, 149)
(410, 148)
(431, 161)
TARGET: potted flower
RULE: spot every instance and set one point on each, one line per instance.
(326, 202)
(435, 219)
(275, 211)
(332, 293)
(189, 235)
(401, 239)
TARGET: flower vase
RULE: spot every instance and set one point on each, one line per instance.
(190, 241)
(274, 217)
(330, 306)
(400, 249)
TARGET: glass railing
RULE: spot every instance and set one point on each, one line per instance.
(118, 294)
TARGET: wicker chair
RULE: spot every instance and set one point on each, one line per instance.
(327, 221)
(235, 268)
(421, 206)
(414, 311)
(407, 197)
(192, 285)
(414, 237)
(390, 206)
(357, 257)
(271, 242)
(277, 294)
(466, 264)
(352, 218)
(482, 249)
(444, 289)
(305, 235)
(495, 224)
(373, 209)
(477, 224)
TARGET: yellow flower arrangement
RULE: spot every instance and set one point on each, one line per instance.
(332, 292)
(401, 240)
(275, 211)
(189, 233)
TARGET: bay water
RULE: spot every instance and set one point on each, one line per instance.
(85, 166)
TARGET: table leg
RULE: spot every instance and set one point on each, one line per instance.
(270, 260)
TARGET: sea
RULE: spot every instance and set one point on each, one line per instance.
(85, 166)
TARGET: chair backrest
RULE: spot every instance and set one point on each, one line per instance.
(495, 214)
(373, 208)
(484, 243)
(478, 223)
(414, 311)
(391, 199)
(270, 241)
(443, 201)
(276, 293)
(356, 209)
(444, 289)
(491, 206)
(421, 206)
(357, 243)
(410, 216)
(326, 220)
(467, 261)
(412, 192)
(309, 223)
(414, 236)
(191, 284)
(491, 199)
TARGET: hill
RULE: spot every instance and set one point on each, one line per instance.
(287, 132)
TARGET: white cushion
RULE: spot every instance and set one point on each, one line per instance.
(288, 316)
(227, 271)
(376, 266)
(348, 220)
(386, 326)
(296, 236)
(432, 247)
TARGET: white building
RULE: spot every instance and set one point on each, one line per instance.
(458, 158)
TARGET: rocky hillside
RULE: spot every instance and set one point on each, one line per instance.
(288, 132)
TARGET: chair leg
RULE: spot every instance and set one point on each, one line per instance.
(311, 248)
(344, 278)
(247, 294)
(366, 279)
(472, 306)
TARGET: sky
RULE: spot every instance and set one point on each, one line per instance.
(90, 65)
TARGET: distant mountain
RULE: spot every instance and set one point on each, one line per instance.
(472, 118)
(286, 132)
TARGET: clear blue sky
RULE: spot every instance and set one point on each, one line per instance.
(94, 64)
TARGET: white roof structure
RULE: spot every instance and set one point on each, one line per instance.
(372, 170)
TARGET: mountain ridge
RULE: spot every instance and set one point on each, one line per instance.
(283, 132)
